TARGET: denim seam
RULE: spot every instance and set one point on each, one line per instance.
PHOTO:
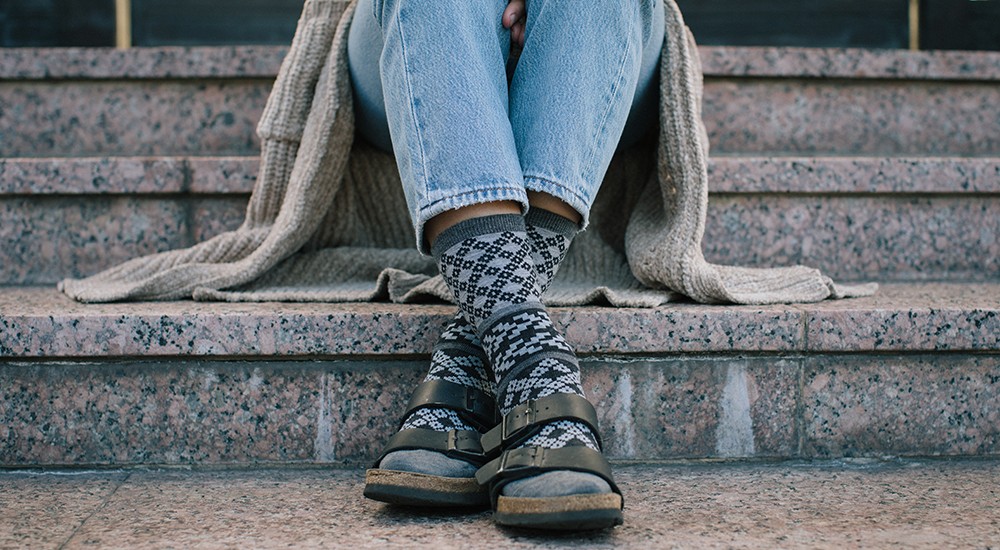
(569, 190)
(477, 191)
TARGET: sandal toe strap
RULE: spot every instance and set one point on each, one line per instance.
(472, 405)
(528, 418)
(460, 444)
(531, 461)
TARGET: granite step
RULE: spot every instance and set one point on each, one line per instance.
(782, 101)
(912, 371)
(856, 218)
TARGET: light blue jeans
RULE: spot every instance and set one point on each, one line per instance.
(431, 83)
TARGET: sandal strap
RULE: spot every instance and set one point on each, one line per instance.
(528, 418)
(531, 461)
(460, 444)
(472, 404)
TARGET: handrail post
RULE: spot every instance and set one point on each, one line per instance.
(123, 24)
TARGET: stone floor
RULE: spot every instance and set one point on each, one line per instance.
(836, 504)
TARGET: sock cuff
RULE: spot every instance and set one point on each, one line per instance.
(545, 219)
(476, 227)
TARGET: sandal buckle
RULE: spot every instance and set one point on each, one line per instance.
(462, 446)
(520, 460)
(513, 423)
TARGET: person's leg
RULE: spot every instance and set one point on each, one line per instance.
(445, 90)
(364, 48)
(584, 68)
(458, 355)
(407, 63)
(575, 84)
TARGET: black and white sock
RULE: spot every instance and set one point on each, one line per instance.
(489, 264)
(458, 355)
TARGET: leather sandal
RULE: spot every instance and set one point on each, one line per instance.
(417, 489)
(568, 513)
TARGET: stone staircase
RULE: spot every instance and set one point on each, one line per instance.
(870, 165)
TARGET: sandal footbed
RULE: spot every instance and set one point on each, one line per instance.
(416, 489)
(568, 513)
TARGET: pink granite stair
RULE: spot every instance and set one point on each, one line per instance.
(107, 155)
(913, 371)
(206, 101)
(856, 218)
(869, 165)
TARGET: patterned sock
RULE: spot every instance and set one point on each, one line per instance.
(550, 236)
(488, 264)
(458, 355)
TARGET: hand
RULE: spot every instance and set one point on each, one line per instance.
(514, 18)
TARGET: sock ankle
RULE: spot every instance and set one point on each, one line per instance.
(458, 358)
(550, 236)
(487, 264)
(458, 355)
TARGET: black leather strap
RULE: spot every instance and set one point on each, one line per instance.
(472, 405)
(525, 420)
(461, 444)
(531, 461)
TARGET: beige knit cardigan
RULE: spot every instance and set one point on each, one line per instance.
(327, 220)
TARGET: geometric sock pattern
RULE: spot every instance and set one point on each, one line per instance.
(488, 272)
(458, 356)
(550, 236)
(487, 263)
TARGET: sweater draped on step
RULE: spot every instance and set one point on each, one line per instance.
(327, 221)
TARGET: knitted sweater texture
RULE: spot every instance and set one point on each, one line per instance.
(327, 220)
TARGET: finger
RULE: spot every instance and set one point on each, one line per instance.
(517, 33)
(514, 12)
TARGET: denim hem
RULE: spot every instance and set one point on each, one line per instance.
(563, 192)
(468, 198)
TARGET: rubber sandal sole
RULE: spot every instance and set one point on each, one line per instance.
(414, 489)
(570, 513)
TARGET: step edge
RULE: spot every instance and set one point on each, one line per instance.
(261, 61)
(942, 318)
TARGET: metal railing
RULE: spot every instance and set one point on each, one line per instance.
(123, 24)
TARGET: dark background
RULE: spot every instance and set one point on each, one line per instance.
(945, 24)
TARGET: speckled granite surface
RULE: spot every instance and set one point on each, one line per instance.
(232, 412)
(850, 237)
(837, 504)
(140, 63)
(44, 239)
(206, 100)
(262, 61)
(860, 237)
(757, 116)
(849, 63)
(912, 371)
(165, 117)
(137, 412)
(849, 117)
(951, 175)
(727, 174)
(134, 175)
(41, 322)
(906, 405)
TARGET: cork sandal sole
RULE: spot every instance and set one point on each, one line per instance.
(414, 489)
(569, 513)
